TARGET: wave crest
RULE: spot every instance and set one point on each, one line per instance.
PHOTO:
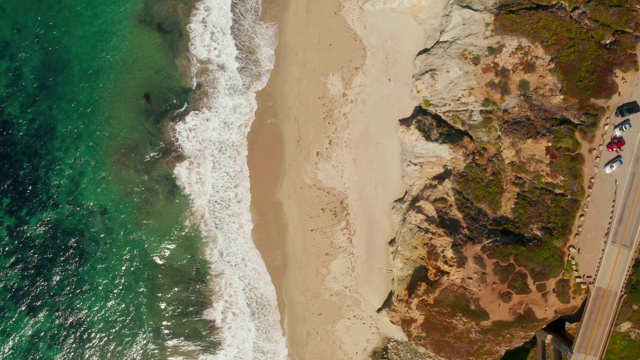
(232, 55)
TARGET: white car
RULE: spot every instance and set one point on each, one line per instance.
(613, 164)
(622, 127)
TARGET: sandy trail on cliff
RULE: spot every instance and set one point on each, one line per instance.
(342, 81)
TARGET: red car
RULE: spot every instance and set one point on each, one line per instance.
(616, 144)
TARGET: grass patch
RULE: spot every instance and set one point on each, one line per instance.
(568, 270)
(440, 202)
(541, 260)
(461, 258)
(583, 61)
(563, 290)
(506, 296)
(622, 347)
(524, 86)
(482, 186)
(526, 321)
(479, 261)
(633, 287)
(461, 304)
(504, 272)
(545, 211)
(475, 60)
(519, 283)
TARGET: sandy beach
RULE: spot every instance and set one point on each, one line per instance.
(326, 167)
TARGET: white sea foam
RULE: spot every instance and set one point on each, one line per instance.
(232, 56)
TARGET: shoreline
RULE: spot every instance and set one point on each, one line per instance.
(266, 160)
(322, 194)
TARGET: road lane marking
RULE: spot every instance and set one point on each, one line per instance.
(615, 264)
(626, 183)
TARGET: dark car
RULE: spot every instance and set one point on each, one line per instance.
(627, 109)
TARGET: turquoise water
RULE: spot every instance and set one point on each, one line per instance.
(95, 259)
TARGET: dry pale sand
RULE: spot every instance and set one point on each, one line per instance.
(324, 153)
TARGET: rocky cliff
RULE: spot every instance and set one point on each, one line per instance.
(493, 163)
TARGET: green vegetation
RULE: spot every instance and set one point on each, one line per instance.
(584, 55)
(618, 17)
(541, 287)
(542, 260)
(504, 272)
(475, 60)
(592, 114)
(622, 347)
(506, 297)
(500, 86)
(440, 202)
(563, 290)
(633, 287)
(527, 320)
(529, 67)
(461, 259)
(567, 161)
(493, 51)
(426, 103)
(481, 186)
(524, 86)
(489, 103)
(551, 213)
(519, 283)
(568, 270)
(479, 261)
(460, 303)
(629, 311)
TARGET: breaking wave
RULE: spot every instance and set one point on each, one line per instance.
(232, 54)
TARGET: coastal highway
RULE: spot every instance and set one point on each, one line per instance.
(618, 256)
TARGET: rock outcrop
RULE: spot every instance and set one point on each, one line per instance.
(492, 164)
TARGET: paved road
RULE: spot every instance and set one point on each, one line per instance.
(617, 259)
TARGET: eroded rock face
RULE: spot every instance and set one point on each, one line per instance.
(485, 158)
(470, 64)
(402, 350)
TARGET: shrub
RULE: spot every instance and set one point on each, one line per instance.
(529, 67)
(504, 272)
(519, 283)
(542, 260)
(563, 290)
(481, 187)
(460, 303)
(440, 202)
(506, 296)
(524, 87)
(582, 61)
(475, 60)
(622, 346)
(479, 261)
(633, 292)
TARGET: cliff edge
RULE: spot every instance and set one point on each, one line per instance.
(493, 162)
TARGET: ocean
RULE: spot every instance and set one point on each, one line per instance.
(125, 224)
